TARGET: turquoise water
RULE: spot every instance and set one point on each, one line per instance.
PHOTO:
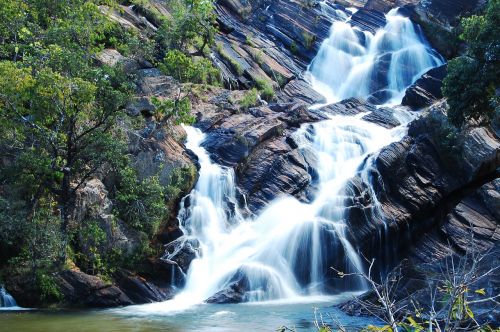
(204, 317)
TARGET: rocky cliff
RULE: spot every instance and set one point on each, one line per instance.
(429, 202)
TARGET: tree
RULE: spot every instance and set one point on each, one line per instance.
(192, 25)
(62, 128)
(189, 69)
(473, 78)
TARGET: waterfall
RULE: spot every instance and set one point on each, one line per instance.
(380, 66)
(6, 300)
(287, 251)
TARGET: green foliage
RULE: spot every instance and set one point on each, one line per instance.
(49, 292)
(309, 39)
(191, 25)
(257, 56)
(181, 181)
(91, 237)
(187, 69)
(249, 41)
(473, 78)
(232, 62)
(250, 99)
(173, 111)
(265, 88)
(140, 203)
(447, 137)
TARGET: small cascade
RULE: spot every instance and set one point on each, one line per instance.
(6, 300)
(380, 66)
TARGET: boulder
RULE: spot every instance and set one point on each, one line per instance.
(182, 251)
(93, 204)
(383, 117)
(138, 289)
(234, 293)
(80, 289)
(426, 90)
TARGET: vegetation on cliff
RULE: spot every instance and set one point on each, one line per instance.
(60, 110)
(473, 78)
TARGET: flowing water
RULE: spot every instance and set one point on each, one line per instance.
(286, 252)
(6, 300)
(355, 63)
(281, 258)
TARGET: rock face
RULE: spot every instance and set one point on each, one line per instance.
(260, 143)
(138, 289)
(93, 204)
(80, 288)
(446, 12)
(435, 208)
(426, 90)
(417, 182)
(425, 198)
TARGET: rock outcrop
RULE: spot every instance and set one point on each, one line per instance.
(423, 189)
(82, 289)
(426, 90)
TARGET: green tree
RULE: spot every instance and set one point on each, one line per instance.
(185, 69)
(141, 203)
(473, 78)
(192, 25)
(62, 127)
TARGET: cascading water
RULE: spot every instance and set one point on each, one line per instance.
(287, 251)
(6, 300)
(355, 63)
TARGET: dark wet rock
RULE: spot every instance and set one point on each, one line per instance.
(274, 169)
(490, 194)
(412, 288)
(299, 89)
(350, 106)
(80, 289)
(182, 251)
(234, 293)
(164, 274)
(383, 117)
(270, 40)
(138, 289)
(238, 135)
(368, 20)
(379, 115)
(426, 90)
(447, 12)
(415, 180)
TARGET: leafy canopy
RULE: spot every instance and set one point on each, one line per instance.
(474, 77)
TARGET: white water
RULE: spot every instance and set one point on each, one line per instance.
(6, 300)
(286, 252)
(355, 63)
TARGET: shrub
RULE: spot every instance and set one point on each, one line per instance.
(265, 88)
(250, 99)
(473, 78)
(174, 111)
(49, 292)
(140, 203)
(185, 69)
(234, 64)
